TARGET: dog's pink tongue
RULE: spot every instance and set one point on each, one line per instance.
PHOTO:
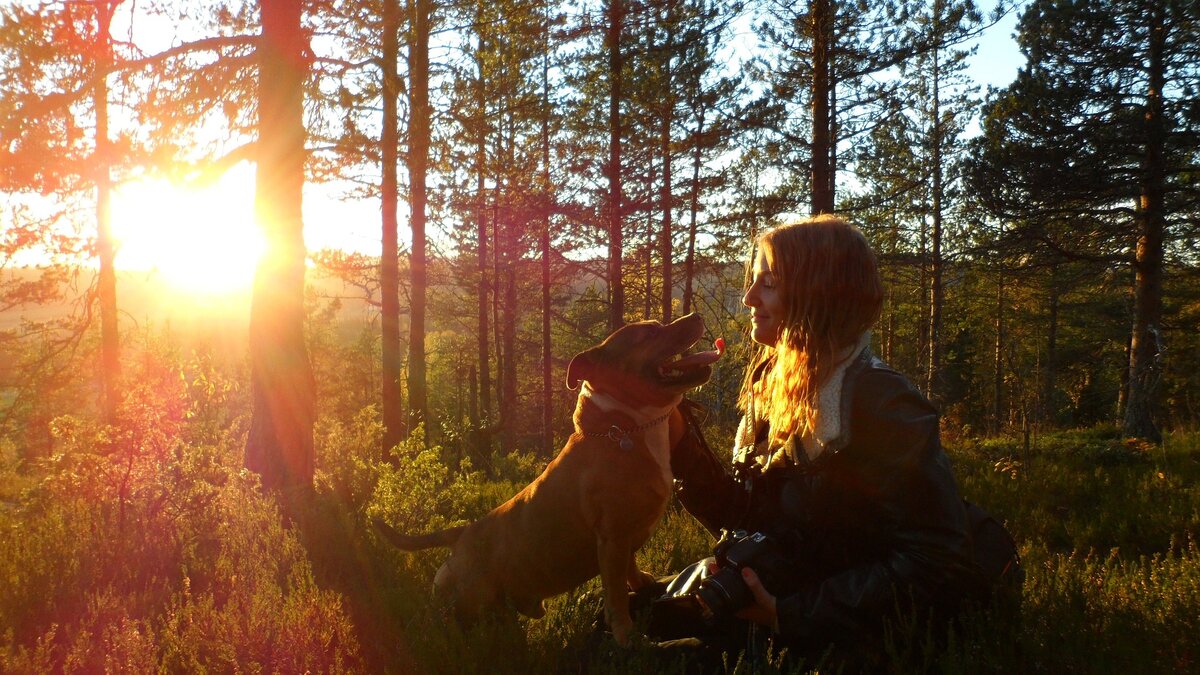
(702, 358)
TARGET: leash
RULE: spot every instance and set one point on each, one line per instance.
(621, 437)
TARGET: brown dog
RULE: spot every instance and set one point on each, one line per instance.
(599, 500)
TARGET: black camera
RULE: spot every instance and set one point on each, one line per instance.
(725, 592)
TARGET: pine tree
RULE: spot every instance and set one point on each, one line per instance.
(822, 94)
(1094, 137)
(279, 446)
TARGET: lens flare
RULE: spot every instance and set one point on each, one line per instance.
(203, 241)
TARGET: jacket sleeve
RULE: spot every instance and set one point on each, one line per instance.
(925, 555)
(703, 484)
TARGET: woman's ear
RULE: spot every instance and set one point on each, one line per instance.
(579, 368)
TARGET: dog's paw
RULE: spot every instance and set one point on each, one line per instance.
(623, 633)
(639, 579)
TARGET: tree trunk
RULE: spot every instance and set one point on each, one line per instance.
(666, 188)
(389, 261)
(665, 247)
(473, 397)
(833, 138)
(998, 361)
(418, 166)
(1146, 345)
(1050, 368)
(483, 440)
(106, 282)
(923, 315)
(689, 263)
(648, 260)
(547, 201)
(822, 196)
(616, 289)
(934, 387)
(508, 415)
(498, 248)
(279, 446)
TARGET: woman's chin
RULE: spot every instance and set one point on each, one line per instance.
(764, 336)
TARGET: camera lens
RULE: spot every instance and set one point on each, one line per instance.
(723, 593)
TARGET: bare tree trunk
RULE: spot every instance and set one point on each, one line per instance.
(483, 440)
(106, 282)
(923, 315)
(1146, 345)
(418, 167)
(689, 263)
(279, 446)
(890, 327)
(616, 289)
(389, 262)
(473, 397)
(648, 260)
(822, 196)
(1123, 391)
(665, 192)
(508, 415)
(934, 382)
(665, 243)
(497, 262)
(1050, 369)
(998, 362)
(833, 139)
(547, 201)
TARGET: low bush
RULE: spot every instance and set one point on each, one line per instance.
(133, 551)
(143, 546)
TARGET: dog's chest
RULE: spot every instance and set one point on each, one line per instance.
(658, 444)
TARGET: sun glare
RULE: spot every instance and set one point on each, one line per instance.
(202, 241)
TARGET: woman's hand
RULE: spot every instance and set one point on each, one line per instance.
(763, 610)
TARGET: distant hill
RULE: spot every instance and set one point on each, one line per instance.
(146, 301)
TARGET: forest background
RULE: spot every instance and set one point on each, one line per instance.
(562, 168)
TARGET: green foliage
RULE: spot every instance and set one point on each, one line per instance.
(419, 491)
(1108, 545)
(143, 546)
(134, 551)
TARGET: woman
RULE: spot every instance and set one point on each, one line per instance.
(837, 462)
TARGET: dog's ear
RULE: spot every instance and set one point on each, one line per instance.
(579, 368)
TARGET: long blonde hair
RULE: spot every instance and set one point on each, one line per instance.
(831, 288)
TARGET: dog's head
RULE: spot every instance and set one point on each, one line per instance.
(643, 363)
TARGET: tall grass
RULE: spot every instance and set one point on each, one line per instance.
(144, 547)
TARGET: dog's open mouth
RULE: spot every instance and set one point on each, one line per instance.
(680, 367)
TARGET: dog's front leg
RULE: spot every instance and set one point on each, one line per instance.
(615, 557)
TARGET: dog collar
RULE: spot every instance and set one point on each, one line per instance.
(620, 435)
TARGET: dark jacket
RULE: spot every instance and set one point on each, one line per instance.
(874, 523)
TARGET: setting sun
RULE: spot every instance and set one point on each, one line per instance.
(202, 241)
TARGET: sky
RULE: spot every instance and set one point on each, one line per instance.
(998, 58)
(332, 221)
(354, 224)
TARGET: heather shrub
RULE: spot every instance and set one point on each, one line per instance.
(143, 546)
(133, 550)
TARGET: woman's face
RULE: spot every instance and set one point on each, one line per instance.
(765, 300)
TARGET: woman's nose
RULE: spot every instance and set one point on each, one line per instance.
(751, 297)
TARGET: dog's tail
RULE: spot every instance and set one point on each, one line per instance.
(408, 542)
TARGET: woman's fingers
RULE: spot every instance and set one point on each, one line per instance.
(763, 609)
(761, 596)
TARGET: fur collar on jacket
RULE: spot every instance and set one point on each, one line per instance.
(829, 423)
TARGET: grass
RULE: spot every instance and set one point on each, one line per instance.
(145, 547)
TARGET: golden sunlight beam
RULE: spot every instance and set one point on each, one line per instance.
(202, 241)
